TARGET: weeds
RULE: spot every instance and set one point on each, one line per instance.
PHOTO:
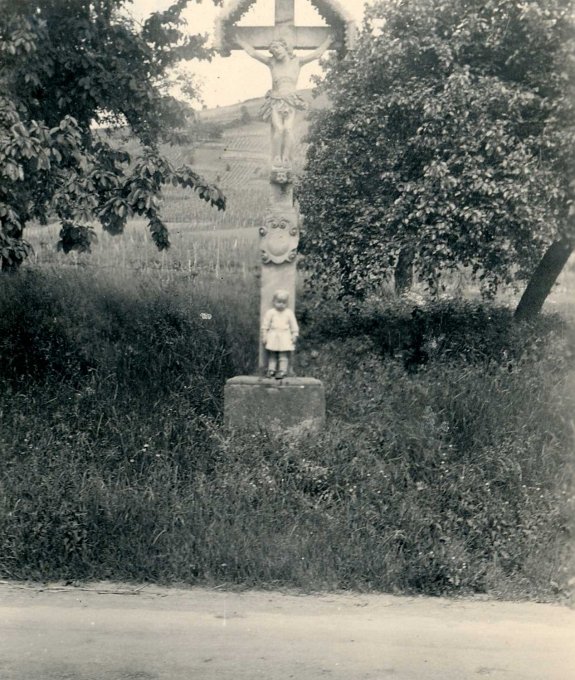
(451, 476)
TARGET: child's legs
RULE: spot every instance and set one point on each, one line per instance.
(283, 361)
(272, 361)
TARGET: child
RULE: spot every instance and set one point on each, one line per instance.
(279, 334)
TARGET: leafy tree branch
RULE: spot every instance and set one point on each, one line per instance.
(69, 70)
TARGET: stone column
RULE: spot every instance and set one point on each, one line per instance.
(279, 238)
(291, 402)
(256, 401)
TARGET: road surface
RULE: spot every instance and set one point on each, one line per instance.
(122, 632)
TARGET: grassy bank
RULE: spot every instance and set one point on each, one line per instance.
(446, 465)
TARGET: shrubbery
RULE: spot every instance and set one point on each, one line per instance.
(442, 330)
(452, 475)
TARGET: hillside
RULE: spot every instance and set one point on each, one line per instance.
(226, 114)
(238, 163)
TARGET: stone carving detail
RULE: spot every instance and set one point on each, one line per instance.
(281, 175)
(230, 14)
(278, 43)
(279, 240)
(283, 101)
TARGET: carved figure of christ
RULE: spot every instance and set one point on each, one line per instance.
(282, 101)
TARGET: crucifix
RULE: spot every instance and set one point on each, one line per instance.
(279, 42)
(279, 231)
(282, 101)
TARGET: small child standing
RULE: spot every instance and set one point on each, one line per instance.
(279, 334)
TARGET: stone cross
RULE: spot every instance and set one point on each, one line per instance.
(273, 46)
(300, 37)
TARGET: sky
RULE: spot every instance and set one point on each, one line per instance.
(236, 78)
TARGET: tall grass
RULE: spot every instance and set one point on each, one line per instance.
(193, 252)
(440, 470)
(446, 465)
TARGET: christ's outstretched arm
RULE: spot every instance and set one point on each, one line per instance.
(251, 51)
(317, 53)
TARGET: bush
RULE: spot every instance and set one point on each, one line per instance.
(440, 330)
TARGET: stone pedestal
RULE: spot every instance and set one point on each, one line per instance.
(251, 403)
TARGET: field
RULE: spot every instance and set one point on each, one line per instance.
(446, 466)
(203, 239)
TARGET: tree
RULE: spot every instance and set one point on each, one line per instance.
(69, 70)
(451, 136)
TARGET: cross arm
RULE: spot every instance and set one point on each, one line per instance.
(301, 37)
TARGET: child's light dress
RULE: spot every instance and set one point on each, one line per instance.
(279, 330)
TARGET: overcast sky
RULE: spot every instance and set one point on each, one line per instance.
(236, 78)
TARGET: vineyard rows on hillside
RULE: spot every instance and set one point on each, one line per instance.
(203, 239)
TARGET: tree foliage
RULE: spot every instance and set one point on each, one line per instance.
(69, 70)
(451, 136)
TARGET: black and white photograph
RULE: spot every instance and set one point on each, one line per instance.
(287, 339)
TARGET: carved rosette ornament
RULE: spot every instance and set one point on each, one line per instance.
(279, 240)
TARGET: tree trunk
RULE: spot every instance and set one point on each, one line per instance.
(403, 274)
(542, 280)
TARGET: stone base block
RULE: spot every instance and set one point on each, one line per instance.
(252, 402)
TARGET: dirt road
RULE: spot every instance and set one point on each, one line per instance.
(119, 632)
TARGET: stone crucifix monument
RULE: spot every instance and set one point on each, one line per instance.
(276, 396)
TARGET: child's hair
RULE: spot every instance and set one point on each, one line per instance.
(281, 294)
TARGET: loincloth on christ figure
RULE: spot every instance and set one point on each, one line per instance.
(284, 104)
